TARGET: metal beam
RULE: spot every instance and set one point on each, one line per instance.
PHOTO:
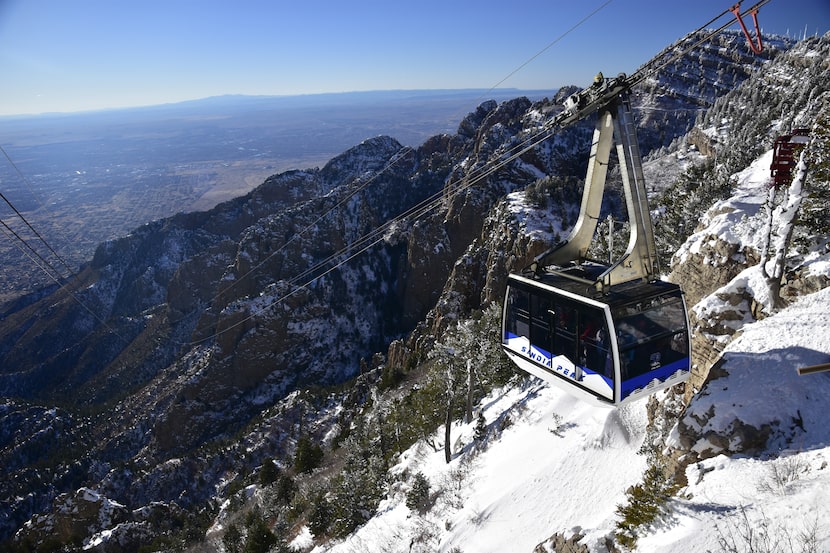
(813, 369)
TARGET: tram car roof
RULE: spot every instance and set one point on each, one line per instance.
(617, 295)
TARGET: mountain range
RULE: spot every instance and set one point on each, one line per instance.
(250, 374)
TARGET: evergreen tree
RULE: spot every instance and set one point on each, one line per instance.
(260, 539)
(646, 504)
(682, 205)
(232, 539)
(418, 498)
(286, 488)
(494, 369)
(268, 473)
(467, 361)
(319, 520)
(308, 455)
(361, 484)
(447, 358)
(481, 428)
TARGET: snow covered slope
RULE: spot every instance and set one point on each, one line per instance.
(559, 465)
(784, 491)
(553, 465)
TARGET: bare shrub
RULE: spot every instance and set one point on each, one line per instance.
(782, 472)
(744, 534)
(455, 484)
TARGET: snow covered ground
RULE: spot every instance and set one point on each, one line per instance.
(552, 464)
(787, 490)
(738, 219)
(560, 465)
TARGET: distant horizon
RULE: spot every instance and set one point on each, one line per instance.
(61, 57)
(278, 96)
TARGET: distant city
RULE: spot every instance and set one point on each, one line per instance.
(81, 179)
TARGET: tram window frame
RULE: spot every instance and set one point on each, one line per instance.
(651, 336)
(518, 312)
(565, 336)
(594, 350)
(540, 323)
(572, 340)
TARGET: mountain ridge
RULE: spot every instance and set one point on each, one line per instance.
(431, 271)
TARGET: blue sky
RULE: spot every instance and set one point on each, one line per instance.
(57, 55)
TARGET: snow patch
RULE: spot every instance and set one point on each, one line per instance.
(554, 464)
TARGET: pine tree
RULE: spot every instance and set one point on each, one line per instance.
(446, 357)
(286, 488)
(258, 537)
(308, 455)
(481, 428)
(418, 498)
(320, 518)
(232, 539)
(361, 484)
(646, 503)
(268, 473)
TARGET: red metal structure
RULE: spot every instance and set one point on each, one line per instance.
(755, 45)
(784, 151)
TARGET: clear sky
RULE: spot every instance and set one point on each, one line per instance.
(60, 55)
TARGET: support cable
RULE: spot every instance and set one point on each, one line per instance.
(39, 236)
(310, 275)
(44, 266)
(27, 250)
(39, 261)
(22, 176)
(551, 44)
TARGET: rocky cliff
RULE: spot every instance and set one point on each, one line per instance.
(719, 264)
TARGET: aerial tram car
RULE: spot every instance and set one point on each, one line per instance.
(613, 332)
(609, 333)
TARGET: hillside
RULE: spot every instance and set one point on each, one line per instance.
(563, 468)
(239, 388)
(750, 448)
(96, 176)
